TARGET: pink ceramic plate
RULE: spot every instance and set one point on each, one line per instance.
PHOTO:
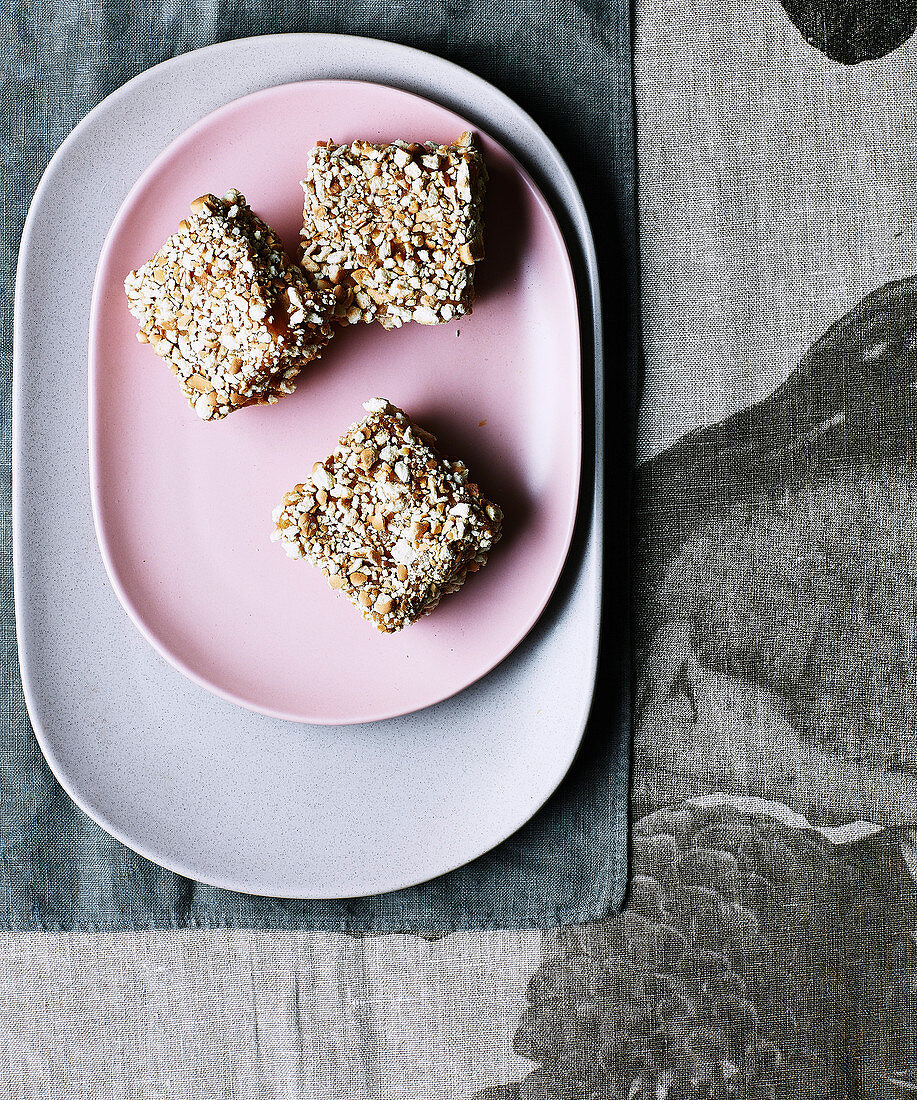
(183, 508)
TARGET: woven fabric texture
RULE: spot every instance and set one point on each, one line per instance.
(767, 945)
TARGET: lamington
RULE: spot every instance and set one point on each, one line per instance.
(220, 302)
(395, 230)
(391, 522)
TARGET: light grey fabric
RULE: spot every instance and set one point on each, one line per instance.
(226, 1015)
(776, 190)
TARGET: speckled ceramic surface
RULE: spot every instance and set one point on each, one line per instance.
(183, 507)
(195, 783)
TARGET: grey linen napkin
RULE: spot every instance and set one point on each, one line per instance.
(570, 66)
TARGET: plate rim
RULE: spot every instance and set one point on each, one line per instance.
(572, 205)
(96, 479)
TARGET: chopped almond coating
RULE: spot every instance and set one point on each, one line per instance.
(221, 303)
(395, 229)
(390, 522)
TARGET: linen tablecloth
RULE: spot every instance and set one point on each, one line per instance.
(767, 948)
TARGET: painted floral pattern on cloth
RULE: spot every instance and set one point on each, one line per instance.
(768, 948)
(851, 31)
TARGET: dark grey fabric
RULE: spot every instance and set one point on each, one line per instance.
(570, 66)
